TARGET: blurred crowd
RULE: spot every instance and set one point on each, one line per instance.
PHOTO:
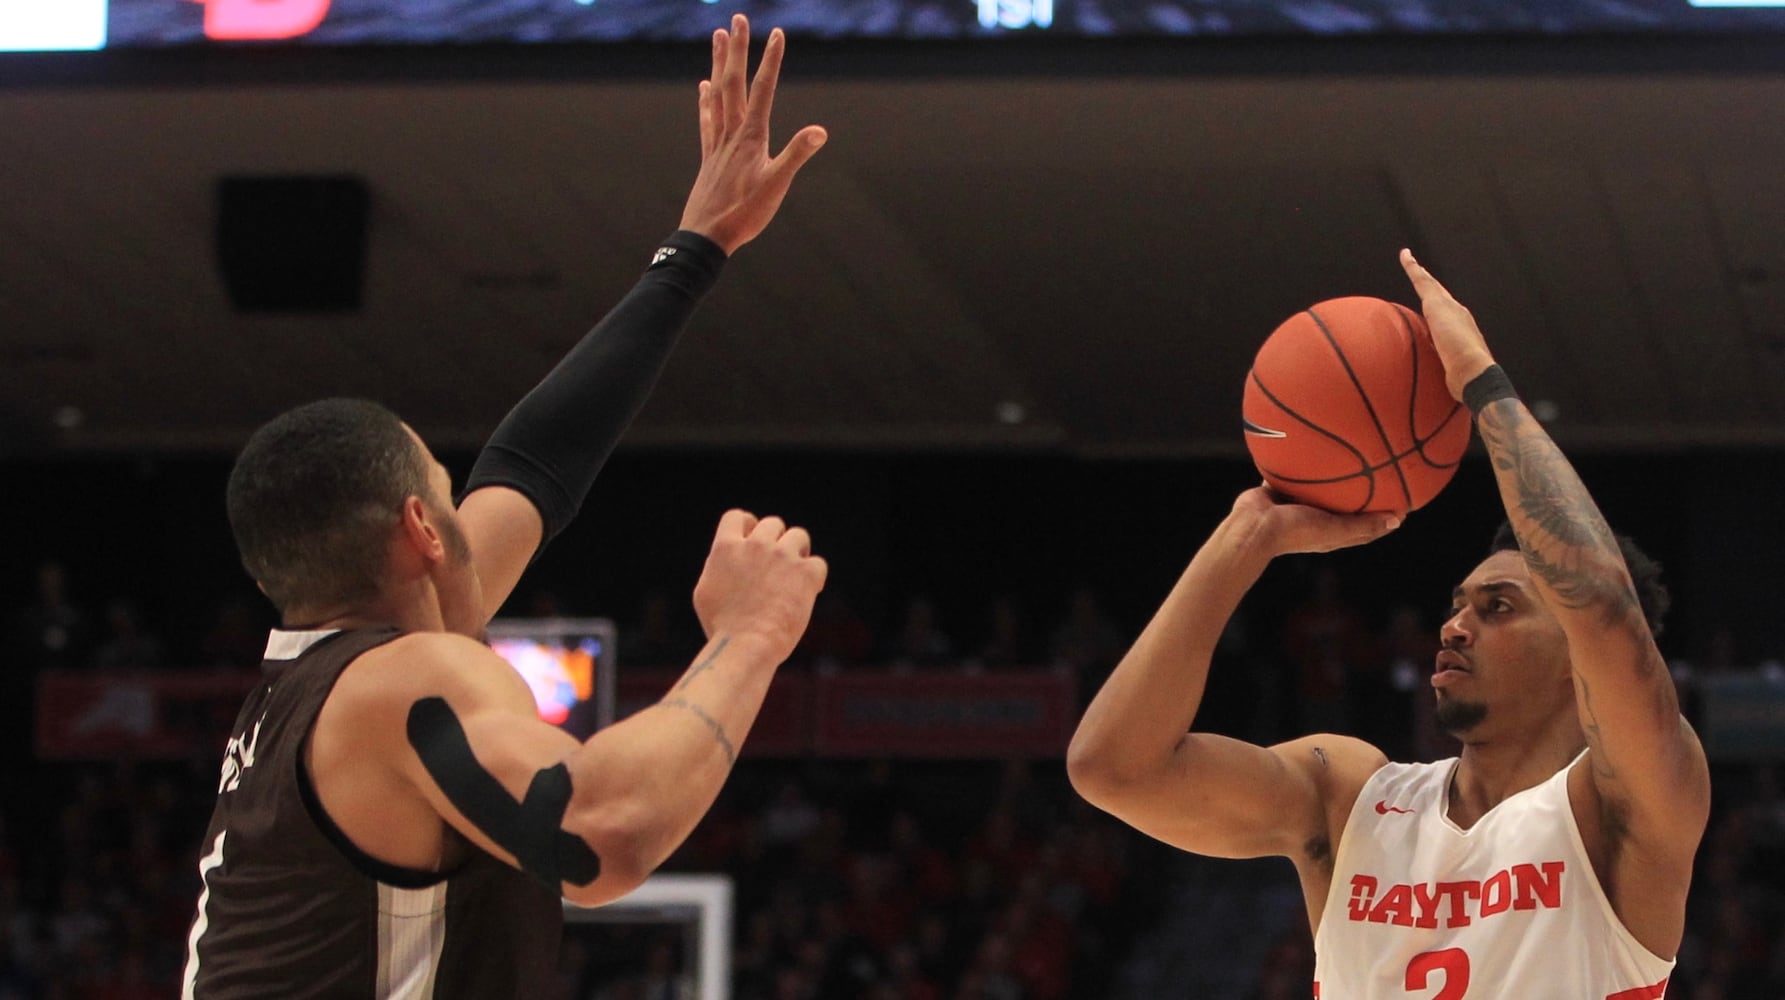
(875, 879)
(927, 881)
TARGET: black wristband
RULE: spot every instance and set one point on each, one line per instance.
(688, 250)
(1487, 387)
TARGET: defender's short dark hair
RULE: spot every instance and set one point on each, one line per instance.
(1645, 573)
(313, 496)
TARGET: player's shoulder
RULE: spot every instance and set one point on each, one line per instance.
(1338, 765)
(431, 664)
(1336, 768)
(1336, 754)
(441, 647)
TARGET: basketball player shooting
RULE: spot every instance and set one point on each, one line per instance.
(393, 820)
(1552, 858)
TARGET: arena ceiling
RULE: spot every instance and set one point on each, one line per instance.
(1067, 249)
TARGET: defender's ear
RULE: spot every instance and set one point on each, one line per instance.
(419, 532)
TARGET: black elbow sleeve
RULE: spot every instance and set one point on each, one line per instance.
(552, 445)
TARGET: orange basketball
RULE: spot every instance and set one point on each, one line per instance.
(1346, 409)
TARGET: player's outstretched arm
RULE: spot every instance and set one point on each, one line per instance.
(1134, 756)
(593, 819)
(1646, 762)
(532, 477)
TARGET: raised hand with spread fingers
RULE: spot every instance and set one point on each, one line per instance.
(741, 186)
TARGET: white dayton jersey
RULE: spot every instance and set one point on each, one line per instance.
(1509, 909)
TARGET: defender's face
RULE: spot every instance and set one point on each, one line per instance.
(461, 589)
(1504, 657)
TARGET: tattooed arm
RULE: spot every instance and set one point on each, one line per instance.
(1647, 765)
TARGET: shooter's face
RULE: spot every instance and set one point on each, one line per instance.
(1504, 657)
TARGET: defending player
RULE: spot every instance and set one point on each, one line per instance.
(393, 820)
(1552, 858)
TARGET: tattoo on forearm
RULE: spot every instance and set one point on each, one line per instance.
(731, 754)
(1565, 540)
(1578, 589)
(704, 665)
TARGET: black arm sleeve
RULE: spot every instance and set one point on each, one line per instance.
(551, 445)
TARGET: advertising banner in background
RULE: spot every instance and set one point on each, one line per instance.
(164, 715)
(1743, 716)
(173, 715)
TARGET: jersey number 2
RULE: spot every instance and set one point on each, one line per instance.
(1453, 962)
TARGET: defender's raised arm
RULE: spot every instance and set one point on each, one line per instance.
(532, 476)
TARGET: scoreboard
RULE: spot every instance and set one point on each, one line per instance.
(94, 24)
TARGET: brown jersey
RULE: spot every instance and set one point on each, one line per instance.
(291, 909)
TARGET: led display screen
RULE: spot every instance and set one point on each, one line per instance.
(93, 24)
